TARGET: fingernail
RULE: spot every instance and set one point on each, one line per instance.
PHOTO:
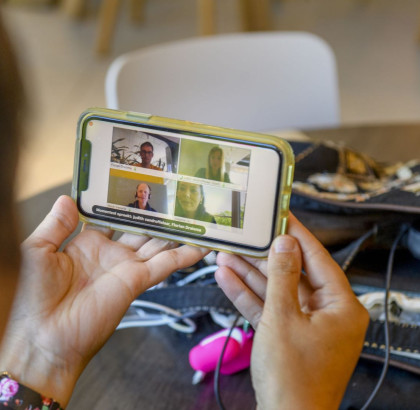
(284, 244)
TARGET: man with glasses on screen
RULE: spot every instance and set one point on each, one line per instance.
(146, 154)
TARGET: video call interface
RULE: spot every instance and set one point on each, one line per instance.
(177, 182)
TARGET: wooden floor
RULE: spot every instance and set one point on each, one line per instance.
(374, 42)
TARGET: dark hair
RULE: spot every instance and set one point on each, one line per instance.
(11, 108)
(220, 174)
(200, 213)
(146, 144)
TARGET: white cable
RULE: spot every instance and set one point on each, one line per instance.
(182, 328)
(191, 328)
(210, 258)
(225, 320)
(170, 317)
(197, 274)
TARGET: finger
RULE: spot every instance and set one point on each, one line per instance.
(135, 276)
(165, 263)
(153, 247)
(246, 271)
(57, 226)
(134, 242)
(97, 228)
(318, 263)
(260, 264)
(245, 300)
(284, 271)
(305, 293)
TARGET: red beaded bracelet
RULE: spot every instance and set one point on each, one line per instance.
(16, 396)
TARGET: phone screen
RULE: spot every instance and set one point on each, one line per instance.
(192, 185)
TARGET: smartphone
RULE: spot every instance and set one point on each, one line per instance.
(220, 188)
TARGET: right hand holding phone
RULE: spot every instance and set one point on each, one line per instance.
(310, 327)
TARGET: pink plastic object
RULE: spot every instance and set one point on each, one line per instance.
(205, 355)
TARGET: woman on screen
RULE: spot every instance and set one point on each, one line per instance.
(189, 202)
(215, 169)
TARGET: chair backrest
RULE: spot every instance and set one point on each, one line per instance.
(250, 81)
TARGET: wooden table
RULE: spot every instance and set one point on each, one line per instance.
(148, 368)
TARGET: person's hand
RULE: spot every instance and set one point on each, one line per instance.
(69, 303)
(309, 328)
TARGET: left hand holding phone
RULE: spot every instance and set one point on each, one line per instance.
(69, 302)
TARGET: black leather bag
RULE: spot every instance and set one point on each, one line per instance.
(339, 193)
(356, 207)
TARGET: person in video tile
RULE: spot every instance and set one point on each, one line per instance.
(142, 196)
(146, 154)
(189, 202)
(215, 169)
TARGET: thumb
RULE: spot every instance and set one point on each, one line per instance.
(57, 226)
(284, 270)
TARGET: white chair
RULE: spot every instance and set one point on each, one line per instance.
(251, 81)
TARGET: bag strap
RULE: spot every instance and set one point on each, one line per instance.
(191, 298)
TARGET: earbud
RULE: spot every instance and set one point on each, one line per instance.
(237, 356)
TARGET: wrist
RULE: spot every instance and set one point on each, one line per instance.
(15, 395)
(39, 370)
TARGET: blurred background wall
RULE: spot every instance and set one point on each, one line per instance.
(375, 42)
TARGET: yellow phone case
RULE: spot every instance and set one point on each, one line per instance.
(169, 124)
